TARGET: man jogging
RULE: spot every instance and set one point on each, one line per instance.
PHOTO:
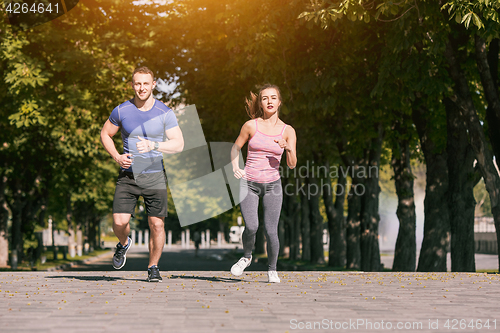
(145, 124)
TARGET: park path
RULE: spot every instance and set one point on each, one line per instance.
(220, 259)
(106, 300)
(174, 259)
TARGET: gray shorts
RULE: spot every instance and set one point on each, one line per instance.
(151, 186)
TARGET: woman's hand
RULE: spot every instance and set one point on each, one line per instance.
(239, 173)
(283, 144)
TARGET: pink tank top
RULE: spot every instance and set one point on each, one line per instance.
(264, 157)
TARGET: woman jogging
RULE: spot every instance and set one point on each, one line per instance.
(267, 136)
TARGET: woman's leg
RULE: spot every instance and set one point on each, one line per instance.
(249, 209)
(272, 201)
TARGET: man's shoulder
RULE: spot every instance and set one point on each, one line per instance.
(125, 105)
(161, 107)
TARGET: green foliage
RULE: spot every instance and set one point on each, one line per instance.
(340, 80)
(464, 12)
(62, 80)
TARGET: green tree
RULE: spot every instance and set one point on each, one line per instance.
(63, 78)
(450, 50)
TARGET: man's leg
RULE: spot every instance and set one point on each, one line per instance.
(126, 194)
(124, 202)
(156, 239)
(155, 200)
(121, 227)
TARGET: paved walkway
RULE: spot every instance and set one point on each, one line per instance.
(175, 259)
(214, 301)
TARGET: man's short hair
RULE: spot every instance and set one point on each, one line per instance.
(143, 70)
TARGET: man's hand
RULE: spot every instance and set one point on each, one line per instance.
(124, 160)
(144, 145)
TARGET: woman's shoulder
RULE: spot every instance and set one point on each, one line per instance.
(250, 124)
(248, 128)
(289, 130)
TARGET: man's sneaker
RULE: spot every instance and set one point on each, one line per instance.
(154, 274)
(273, 277)
(120, 256)
(240, 266)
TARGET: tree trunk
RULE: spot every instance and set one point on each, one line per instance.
(460, 192)
(16, 207)
(488, 76)
(17, 236)
(492, 119)
(353, 250)
(4, 218)
(336, 221)
(298, 228)
(405, 253)
(355, 203)
(463, 99)
(71, 229)
(370, 249)
(305, 222)
(286, 220)
(41, 222)
(93, 232)
(292, 209)
(314, 193)
(436, 214)
(282, 235)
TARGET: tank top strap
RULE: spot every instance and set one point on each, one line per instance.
(256, 125)
(283, 130)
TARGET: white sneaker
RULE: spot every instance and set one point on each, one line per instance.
(273, 277)
(240, 266)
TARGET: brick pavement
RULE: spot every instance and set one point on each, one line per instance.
(122, 301)
(215, 301)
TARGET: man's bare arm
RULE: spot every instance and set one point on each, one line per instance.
(107, 132)
(175, 143)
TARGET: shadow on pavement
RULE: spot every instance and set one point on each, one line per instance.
(173, 260)
(206, 278)
(93, 278)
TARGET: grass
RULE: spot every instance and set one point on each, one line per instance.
(489, 271)
(50, 263)
(109, 238)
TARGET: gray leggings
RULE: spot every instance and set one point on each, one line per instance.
(272, 198)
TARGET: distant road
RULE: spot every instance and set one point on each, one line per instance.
(174, 259)
(214, 259)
